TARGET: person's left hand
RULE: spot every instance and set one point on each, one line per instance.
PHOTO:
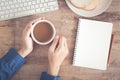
(27, 43)
(56, 54)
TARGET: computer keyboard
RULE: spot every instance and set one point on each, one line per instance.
(10, 9)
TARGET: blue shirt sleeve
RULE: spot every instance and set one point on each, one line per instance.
(9, 64)
(12, 62)
(46, 76)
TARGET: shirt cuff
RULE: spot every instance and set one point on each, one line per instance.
(45, 76)
(12, 61)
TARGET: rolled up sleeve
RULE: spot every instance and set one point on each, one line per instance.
(10, 63)
(45, 76)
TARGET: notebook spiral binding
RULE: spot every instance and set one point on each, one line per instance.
(76, 41)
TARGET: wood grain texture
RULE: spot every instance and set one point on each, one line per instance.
(65, 22)
(6, 39)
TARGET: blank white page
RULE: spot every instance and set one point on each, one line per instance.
(92, 44)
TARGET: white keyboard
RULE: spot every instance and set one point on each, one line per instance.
(10, 9)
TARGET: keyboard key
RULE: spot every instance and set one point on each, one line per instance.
(33, 2)
(38, 1)
(2, 4)
(45, 4)
(1, 12)
(52, 3)
(43, 9)
(29, 3)
(41, 5)
(11, 15)
(38, 10)
(32, 7)
(47, 9)
(36, 6)
(25, 13)
(25, 4)
(2, 17)
(28, 7)
(42, 1)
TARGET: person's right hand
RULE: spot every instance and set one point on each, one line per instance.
(27, 42)
(56, 54)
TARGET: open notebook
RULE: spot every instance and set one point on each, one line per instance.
(92, 44)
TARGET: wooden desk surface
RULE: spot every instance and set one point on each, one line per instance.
(65, 22)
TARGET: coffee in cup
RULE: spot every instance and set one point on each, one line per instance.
(43, 32)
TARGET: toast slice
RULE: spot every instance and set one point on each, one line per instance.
(85, 4)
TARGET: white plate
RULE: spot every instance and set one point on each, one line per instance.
(104, 4)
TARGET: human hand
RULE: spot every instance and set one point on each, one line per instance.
(27, 43)
(56, 54)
